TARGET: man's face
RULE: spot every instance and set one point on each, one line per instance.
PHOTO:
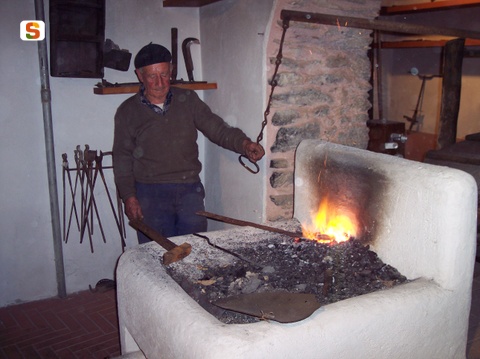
(156, 79)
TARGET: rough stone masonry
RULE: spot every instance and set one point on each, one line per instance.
(322, 92)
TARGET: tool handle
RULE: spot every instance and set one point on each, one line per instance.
(152, 234)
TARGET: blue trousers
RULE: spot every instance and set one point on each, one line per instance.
(170, 208)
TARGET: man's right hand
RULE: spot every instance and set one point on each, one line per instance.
(133, 209)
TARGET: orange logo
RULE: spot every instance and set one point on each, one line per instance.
(32, 30)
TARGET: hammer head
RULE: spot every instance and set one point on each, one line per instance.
(174, 253)
(177, 253)
(190, 40)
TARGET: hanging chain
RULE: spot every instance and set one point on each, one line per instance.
(273, 84)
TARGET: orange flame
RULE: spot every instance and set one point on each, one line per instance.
(330, 224)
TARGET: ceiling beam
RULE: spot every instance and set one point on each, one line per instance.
(187, 3)
(427, 6)
(380, 25)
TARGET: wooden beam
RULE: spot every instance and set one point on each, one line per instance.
(471, 53)
(380, 25)
(427, 6)
(133, 88)
(423, 43)
(187, 3)
(451, 88)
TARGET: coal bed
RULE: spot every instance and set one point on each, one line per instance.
(277, 263)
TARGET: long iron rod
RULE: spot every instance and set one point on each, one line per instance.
(50, 152)
(238, 222)
(241, 223)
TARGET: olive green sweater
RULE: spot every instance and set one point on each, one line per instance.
(154, 148)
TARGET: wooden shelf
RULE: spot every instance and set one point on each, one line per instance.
(133, 88)
(405, 44)
(427, 6)
(187, 3)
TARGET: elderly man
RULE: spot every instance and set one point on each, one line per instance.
(155, 153)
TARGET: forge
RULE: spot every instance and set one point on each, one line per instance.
(419, 218)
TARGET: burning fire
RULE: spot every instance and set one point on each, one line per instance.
(330, 224)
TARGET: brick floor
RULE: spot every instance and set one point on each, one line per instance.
(83, 325)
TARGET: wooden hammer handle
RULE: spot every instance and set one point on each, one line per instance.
(153, 234)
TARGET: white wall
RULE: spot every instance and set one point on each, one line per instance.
(26, 254)
(233, 55)
(27, 268)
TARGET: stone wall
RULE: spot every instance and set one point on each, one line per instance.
(322, 92)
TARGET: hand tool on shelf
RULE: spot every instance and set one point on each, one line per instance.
(188, 56)
(174, 35)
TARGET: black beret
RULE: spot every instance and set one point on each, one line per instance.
(152, 54)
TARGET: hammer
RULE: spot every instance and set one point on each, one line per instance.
(174, 253)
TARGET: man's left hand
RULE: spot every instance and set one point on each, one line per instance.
(254, 151)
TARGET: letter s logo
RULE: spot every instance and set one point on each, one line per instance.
(32, 30)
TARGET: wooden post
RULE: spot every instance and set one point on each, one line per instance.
(451, 88)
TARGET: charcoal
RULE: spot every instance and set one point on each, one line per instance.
(350, 268)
